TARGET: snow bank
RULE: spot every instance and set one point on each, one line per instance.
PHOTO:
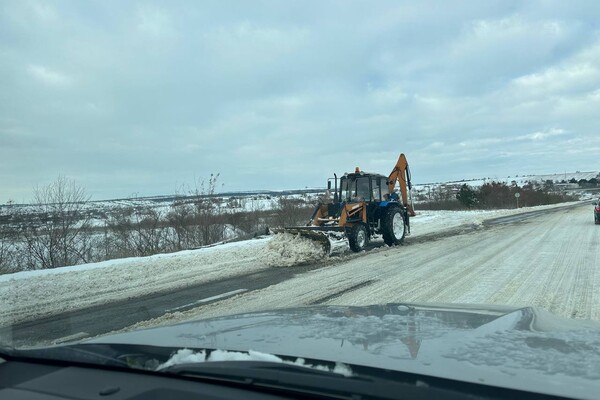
(187, 356)
(35, 294)
(286, 250)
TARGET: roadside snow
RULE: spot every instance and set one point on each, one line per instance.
(34, 294)
(168, 258)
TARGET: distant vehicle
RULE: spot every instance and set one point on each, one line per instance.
(597, 212)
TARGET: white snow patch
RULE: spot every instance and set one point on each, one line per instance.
(286, 250)
(184, 356)
(187, 356)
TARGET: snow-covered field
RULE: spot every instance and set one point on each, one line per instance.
(100, 211)
(519, 179)
(34, 294)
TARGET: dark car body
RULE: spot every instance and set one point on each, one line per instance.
(523, 349)
(597, 212)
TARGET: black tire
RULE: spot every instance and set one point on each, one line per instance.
(393, 226)
(357, 237)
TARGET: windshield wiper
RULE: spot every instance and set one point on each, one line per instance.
(289, 378)
(366, 382)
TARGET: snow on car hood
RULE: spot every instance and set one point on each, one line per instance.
(524, 348)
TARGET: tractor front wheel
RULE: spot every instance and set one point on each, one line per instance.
(357, 238)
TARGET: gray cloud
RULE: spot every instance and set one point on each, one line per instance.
(142, 97)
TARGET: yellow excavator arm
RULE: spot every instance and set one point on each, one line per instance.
(401, 173)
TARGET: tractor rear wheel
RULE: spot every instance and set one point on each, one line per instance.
(393, 226)
(357, 238)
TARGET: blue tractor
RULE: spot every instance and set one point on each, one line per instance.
(364, 205)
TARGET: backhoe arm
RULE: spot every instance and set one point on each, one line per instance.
(401, 173)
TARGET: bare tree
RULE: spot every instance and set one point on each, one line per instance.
(180, 220)
(55, 232)
(138, 231)
(292, 211)
(7, 250)
(197, 218)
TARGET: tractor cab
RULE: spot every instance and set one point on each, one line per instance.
(362, 186)
(358, 189)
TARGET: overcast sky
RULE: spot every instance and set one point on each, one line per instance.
(142, 97)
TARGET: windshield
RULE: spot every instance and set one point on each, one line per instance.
(369, 188)
(167, 162)
(355, 188)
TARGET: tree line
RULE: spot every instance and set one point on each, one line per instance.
(496, 195)
(58, 229)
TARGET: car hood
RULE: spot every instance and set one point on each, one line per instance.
(519, 348)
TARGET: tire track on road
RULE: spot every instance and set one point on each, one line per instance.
(544, 262)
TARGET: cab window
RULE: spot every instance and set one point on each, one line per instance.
(363, 192)
(376, 189)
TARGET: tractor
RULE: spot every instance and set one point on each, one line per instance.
(364, 205)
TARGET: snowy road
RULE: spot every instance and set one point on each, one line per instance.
(550, 260)
(103, 318)
(542, 258)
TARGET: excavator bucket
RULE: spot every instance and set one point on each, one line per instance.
(318, 237)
